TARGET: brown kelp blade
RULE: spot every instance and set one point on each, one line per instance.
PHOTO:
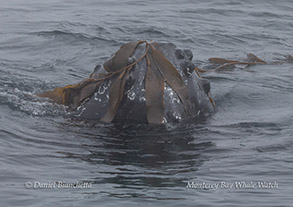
(72, 95)
(170, 74)
(289, 58)
(154, 92)
(115, 96)
(57, 95)
(221, 61)
(120, 58)
(253, 58)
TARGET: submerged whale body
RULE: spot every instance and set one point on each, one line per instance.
(142, 83)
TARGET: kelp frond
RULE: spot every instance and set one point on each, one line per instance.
(159, 71)
(251, 60)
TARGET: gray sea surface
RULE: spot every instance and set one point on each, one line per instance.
(242, 155)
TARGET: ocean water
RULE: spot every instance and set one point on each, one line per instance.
(242, 155)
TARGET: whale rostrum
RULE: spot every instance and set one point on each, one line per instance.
(143, 83)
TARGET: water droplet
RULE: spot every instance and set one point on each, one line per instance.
(101, 90)
(176, 100)
(96, 98)
(142, 99)
(164, 120)
(131, 95)
(109, 83)
(82, 110)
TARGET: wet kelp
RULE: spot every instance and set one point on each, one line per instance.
(160, 71)
(251, 60)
